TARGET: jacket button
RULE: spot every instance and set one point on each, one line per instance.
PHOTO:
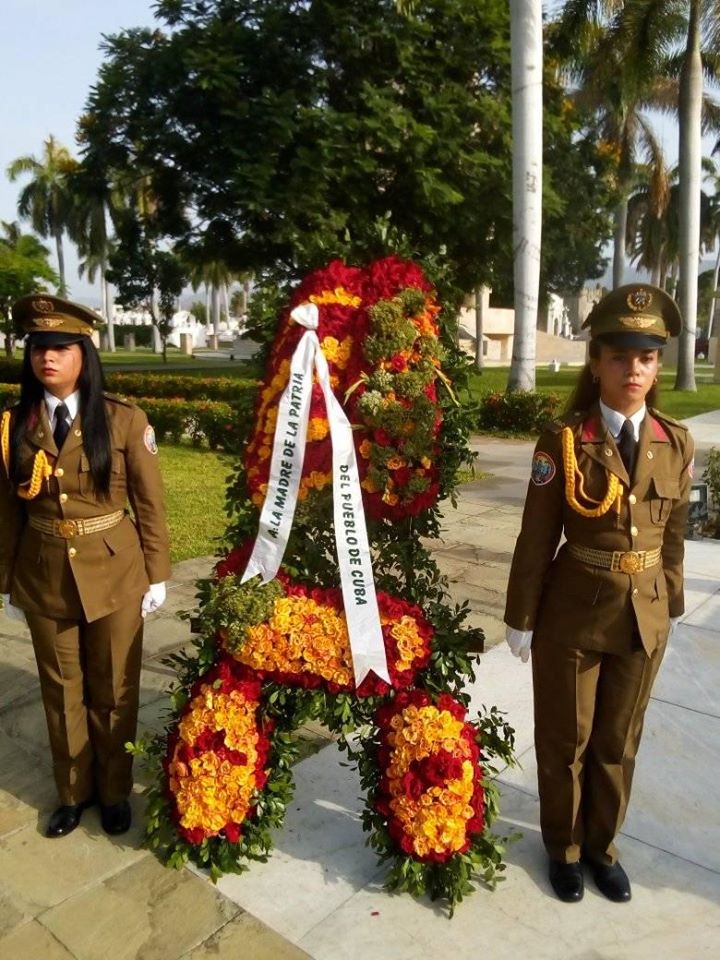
(634, 531)
(632, 498)
(71, 552)
(78, 433)
(608, 452)
(650, 454)
(635, 591)
(59, 472)
(63, 497)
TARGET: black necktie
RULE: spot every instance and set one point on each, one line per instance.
(61, 425)
(627, 446)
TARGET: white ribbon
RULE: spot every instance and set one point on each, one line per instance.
(286, 464)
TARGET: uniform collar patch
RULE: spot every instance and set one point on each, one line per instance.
(591, 430)
(658, 429)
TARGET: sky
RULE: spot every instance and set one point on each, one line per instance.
(49, 58)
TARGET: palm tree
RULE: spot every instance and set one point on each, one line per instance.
(94, 199)
(665, 40)
(713, 171)
(206, 269)
(654, 235)
(46, 201)
(592, 46)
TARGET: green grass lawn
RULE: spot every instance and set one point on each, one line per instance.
(678, 404)
(144, 360)
(195, 482)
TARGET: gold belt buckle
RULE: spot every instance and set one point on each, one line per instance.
(630, 562)
(67, 529)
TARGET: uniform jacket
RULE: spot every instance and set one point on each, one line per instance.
(564, 600)
(95, 574)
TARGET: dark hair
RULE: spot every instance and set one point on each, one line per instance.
(587, 389)
(96, 431)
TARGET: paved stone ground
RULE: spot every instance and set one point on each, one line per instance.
(89, 896)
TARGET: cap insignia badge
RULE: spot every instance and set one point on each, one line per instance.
(43, 306)
(639, 299)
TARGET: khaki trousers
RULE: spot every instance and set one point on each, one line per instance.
(90, 683)
(589, 713)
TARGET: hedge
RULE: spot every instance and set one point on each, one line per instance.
(519, 412)
(221, 425)
(229, 389)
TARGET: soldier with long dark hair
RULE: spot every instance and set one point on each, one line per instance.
(73, 563)
(614, 477)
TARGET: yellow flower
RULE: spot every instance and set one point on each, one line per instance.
(365, 449)
(318, 428)
(338, 295)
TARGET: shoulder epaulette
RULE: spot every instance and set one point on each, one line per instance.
(113, 398)
(573, 418)
(666, 419)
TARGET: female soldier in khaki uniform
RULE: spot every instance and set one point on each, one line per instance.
(72, 562)
(614, 477)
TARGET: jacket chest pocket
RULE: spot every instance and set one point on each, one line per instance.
(663, 490)
(117, 472)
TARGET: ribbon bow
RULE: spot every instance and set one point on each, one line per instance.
(276, 518)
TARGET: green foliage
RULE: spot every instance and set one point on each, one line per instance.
(454, 879)
(231, 390)
(711, 476)
(24, 269)
(198, 309)
(522, 412)
(146, 275)
(340, 128)
(141, 331)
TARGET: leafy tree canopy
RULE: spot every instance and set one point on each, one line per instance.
(277, 135)
(24, 269)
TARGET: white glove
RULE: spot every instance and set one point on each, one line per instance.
(674, 621)
(519, 642)
(11, 612)
(153, 599)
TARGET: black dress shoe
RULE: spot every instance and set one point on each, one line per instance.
(116, 818)
(567, 881)
(611, 880)
(64, 820)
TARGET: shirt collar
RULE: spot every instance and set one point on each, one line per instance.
(615, 420)
(72, 403)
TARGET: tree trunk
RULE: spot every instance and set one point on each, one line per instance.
(62, 289)
(527, 107)
(713, 300)
(691, 88)
(619, 235)
(479, 360)
(107, 306)
(156, 338)
(215, 309)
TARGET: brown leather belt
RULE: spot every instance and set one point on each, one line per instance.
(619, 561)
(67, 529)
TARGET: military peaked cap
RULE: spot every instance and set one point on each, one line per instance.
(51, 321)
(637, 315)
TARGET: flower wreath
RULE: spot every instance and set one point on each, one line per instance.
(271, 655)
(378, 331)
